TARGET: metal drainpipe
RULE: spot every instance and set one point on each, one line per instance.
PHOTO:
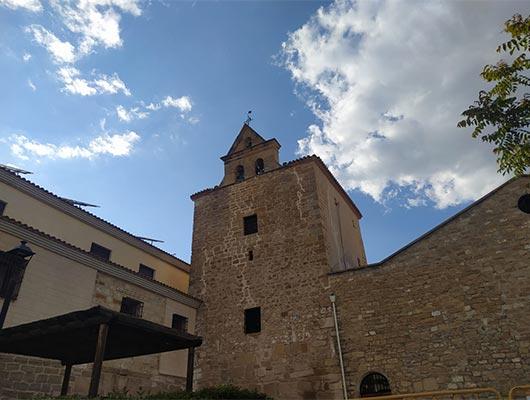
(344, 390)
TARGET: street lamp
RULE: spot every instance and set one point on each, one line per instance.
(12, 266)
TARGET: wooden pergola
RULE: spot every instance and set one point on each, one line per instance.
(93, 336)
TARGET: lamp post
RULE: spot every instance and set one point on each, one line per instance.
(12, 265)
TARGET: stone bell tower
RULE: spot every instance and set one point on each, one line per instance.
(264, 243)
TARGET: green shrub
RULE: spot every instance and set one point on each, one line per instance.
(221, 392)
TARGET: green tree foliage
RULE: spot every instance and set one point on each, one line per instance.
(501, 116)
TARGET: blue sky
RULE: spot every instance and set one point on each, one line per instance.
(129, 105)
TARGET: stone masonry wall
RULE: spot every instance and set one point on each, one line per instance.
(24, 377)
(451, 311)
(293, 356)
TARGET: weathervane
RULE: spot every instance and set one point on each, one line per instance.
(249, 117)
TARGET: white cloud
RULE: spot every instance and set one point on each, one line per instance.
(73, 84)
(89, 23)
(117, 145)
(32, 85)
(388, 81)
(26, 57)
(193, 120)
(131, 114)
(153, 106)
(102, 84)
(62, 52)
(111, 84)
(29, 5)
(97, 22)
(182, 103)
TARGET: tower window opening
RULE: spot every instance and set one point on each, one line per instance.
(260, 166)
(249, 142)
(250, 255)
(253, 320)
(240, 173)
(374, 384)
(250, 224)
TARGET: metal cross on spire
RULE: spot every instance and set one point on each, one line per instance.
(249, 117)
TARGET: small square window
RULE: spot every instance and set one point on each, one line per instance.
(3, 205)
(132, 307)
(146, 271)
(253, 320)
(100, 252)
(250, 224)
(179, 323)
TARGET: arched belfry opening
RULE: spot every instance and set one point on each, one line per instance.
(374, 384)
(260, 166)
(240, 173)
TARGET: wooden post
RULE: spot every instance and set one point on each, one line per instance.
(98, 360)
(189, 372)
(7, 301)
(66, 379)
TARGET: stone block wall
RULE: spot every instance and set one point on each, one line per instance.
(294, 355)
(450, 311)
(24, 377)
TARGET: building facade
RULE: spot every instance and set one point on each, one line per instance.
(81, 261)
(273, 241)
